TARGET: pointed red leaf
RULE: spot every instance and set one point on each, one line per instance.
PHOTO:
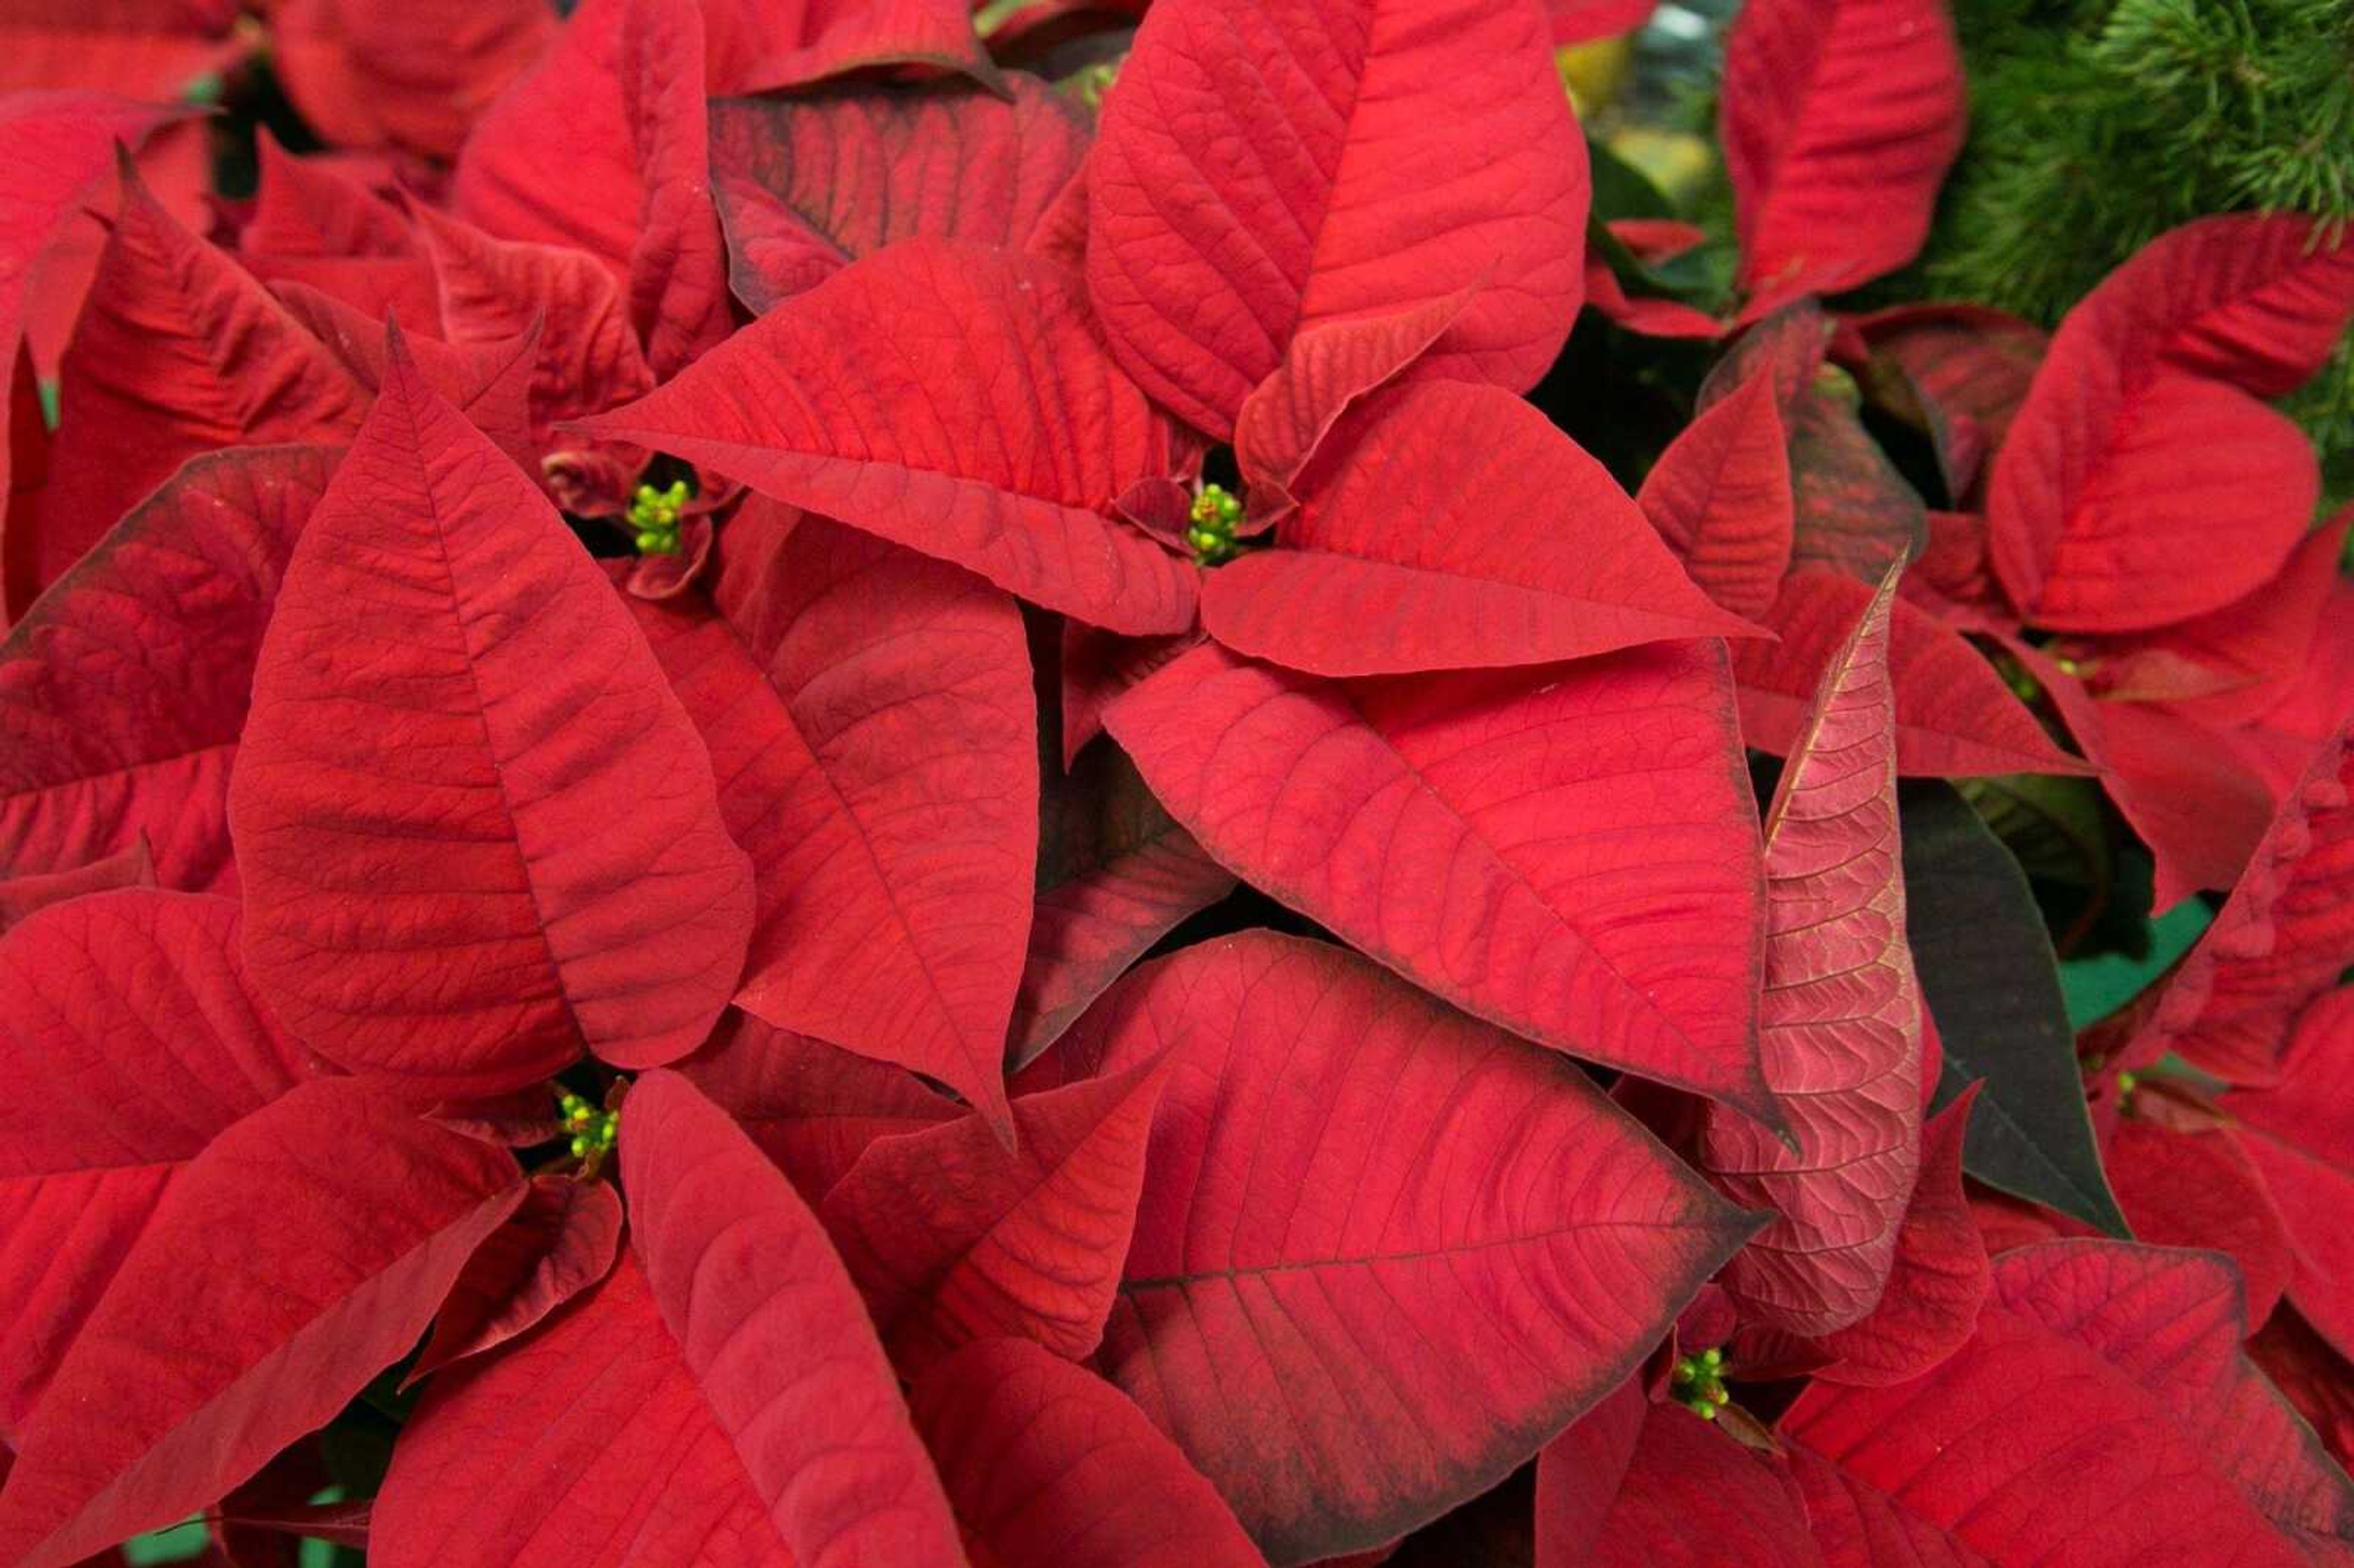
(952, 1239)
(1047, 1463)
(307, 208)
(807, 185)
(416, 76)
(189, 1376)
(2300, 1138)
(104, 744)
(559, 1242)
(622, 94)
(1450, 526)
(1720, 496)
(1839, 1029)
(2143, 422)
(146, 48)
(1590, 825)
(1388, 1251)
(813, 1109)
(970, 413)
(132, 866)
(1839, 119)
(179, 350)
(1335, 162)
(1096, 667)
(129, 1038)
(1954, 717)
(1851, 511)
(869, 711)
(2201, 1189)
(476, 830)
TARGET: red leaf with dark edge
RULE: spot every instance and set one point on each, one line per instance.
(129, 1039)
(1720, 496)
(189, 1376)
(952, 1239)
(1324, 370)
(870, 715)
(104, 743)
(1389, 1250)
(1449, 527)
(1969, 367)
(758, 48)
(621, 92)
(179, 350)
(2200, 1189)
(1047, 1463)
(1954, 717)
(2314, 1378)
(2102, 1414)
(1939, 1277)
(807, 184)
(1851, 511)
(1115, 873)
(1340, 161)
(1351, 802)
(416, 76)
(2144, 420)
(2281, 938)
(969, 413)
(1635, 1483)
(2300, 1138)
(133, 866)
(1839, 119)
(813, 1108)
(476, 830)
(1096, 667)
(1840, 1027)
(561, 1241)
(147, 49)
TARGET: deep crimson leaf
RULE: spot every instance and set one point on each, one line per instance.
(950, 1238)
(130, 1039)
(189, 1376)
(969, 413)
(308, 207)
(2314, 1378)
(1634, 1484)
(1970, 368)
(2143, 421)
(1840, 1027)
(105, 744)
(2202, 1189)
(1788, 345)
(869, 711)
(1519, 793)
(560, 1241)
(179, 350)
(1954, 717)
(807, 184)
(1046, 1463)
(811, 1108)
(1339, 162)
(1389, 1250)
(1720, 496)
(757, 46)
(132, 866)
(416, 76)
(1096, 667)
(476, 830)
(2300, 1138)
(1114, 873)
(1853, 511)
(1450, 526)
(621, 92)
(1839, 122)
(145, 49)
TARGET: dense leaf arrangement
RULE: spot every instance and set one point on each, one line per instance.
(764, 1030)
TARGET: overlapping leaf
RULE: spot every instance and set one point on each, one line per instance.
(2300, 1136)
(145, 49)
(561, 1240)
(415, 77)
(1720, 496)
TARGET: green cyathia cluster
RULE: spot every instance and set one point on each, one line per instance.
(1215, 513)
(593, 1130)
(1698, 1383)
(2098, 124)
(653, 517)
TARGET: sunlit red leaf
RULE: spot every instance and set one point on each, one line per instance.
(477, 833)
(1340, 161)
(1720, 496)
(561, 1240)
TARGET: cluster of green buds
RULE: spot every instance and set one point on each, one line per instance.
(1214, 514)
(653, 517)
(1698, 1383)
(593, 1130)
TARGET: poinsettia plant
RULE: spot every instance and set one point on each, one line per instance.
(881, 782)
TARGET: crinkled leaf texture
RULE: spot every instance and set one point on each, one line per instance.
(100, 741)
(1840, 1027)
(1046, 1463)
(561, 1240)
(129, 1039)
(870, 718)
(1338, 161)
(1720, 496)
(130, 867)
(1839, 119)
(189, 1375)
(1447, 527)
(952, 399)
(2142, 425)
(477, 832)
(720, 1398)
(1388, 1250)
